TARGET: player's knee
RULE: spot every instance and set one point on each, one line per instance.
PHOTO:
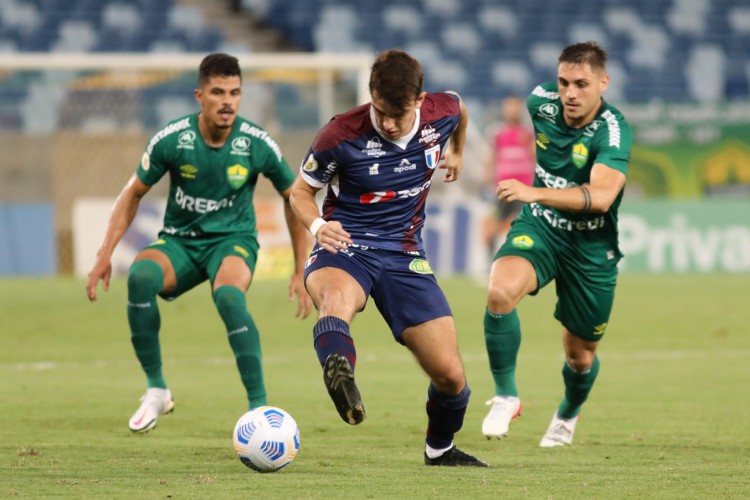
(145, 276)
(580, 361)
(501, 300)
(334, 302)
(450, 380)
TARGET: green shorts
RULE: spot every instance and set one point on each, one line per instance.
(196, 260)
(584, 295)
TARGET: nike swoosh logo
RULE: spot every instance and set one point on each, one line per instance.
(138, 422)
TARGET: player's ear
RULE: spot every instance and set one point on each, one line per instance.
(198, 95)
(604, 81)
(420, 99)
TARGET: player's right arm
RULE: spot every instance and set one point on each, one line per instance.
(123, 213)
(329, 234)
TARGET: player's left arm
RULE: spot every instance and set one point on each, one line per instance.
(300, 247)
(454, 154)
(595, 197)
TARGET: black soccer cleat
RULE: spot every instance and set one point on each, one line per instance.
(339, 380)
(455, 458)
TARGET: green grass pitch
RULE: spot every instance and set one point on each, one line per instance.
(669, 416)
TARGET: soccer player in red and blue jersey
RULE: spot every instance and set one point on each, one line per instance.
(377, 162)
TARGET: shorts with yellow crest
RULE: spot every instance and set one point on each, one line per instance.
(585, 294)
(197, 259)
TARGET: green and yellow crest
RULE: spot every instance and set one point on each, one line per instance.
(580, 155)
(420, 266)
(237, 175)
(523, 242)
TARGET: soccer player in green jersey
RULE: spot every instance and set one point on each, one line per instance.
(567, 231)
(213, 159)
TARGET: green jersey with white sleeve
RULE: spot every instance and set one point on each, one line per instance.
(211, 188)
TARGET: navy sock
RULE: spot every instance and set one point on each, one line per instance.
(445, 416)
(331, 335)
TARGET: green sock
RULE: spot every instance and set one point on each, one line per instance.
(145, 280)
(502, 335)
(577, 388)
(245, 341)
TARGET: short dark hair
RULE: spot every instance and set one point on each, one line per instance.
(396, 77)
(590, 53)
(218, 65)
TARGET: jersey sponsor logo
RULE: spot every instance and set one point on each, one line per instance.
(186, 140)
(188, 172)
(551, 180)
(432, 156)
(237, 175)
(405, 166)
(546, 94)
(420, 266)
(145, 161)
(591, 128)
(262, 135)
(199, 205)
(382, 196)
(168, 130)
(429, 135)
(523, 242)
(311, 165)
(240, 146)
(374, 169)
(580, 154)
(549, 111)
(374, 147)
(554, 220)
(600, 329)
(614, 128)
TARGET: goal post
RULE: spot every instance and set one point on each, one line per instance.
(75, 126)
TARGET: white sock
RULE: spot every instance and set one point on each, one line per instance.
(434, 453)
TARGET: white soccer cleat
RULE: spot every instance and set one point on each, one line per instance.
(560, 432)
(154, 403)
(503, 410)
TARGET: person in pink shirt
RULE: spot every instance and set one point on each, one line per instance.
(512, 157)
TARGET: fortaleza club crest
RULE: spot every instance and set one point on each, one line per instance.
(432, 156)
(237, 175)
(580, 155)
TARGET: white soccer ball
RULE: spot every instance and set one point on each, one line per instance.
(266, 438)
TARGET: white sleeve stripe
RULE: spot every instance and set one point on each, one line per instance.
(311, 180)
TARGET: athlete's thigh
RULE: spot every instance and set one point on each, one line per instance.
(525, 241)
(180, 271)
(584, 300)
(407, 293)
(435, 345)
(231, 261)
(339, 283)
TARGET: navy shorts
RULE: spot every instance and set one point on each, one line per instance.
(402, 285)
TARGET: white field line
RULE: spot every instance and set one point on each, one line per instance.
(403, 357)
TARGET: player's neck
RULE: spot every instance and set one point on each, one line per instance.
(213, 136)
(585, 120)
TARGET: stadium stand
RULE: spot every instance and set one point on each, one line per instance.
(676, 49)
(680, 50)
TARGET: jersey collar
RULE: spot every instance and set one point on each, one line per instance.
(401, 142)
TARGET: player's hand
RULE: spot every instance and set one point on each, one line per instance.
(452, 163)
(297, 288)
(102, 270)
(514, 190)
(333, 237)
